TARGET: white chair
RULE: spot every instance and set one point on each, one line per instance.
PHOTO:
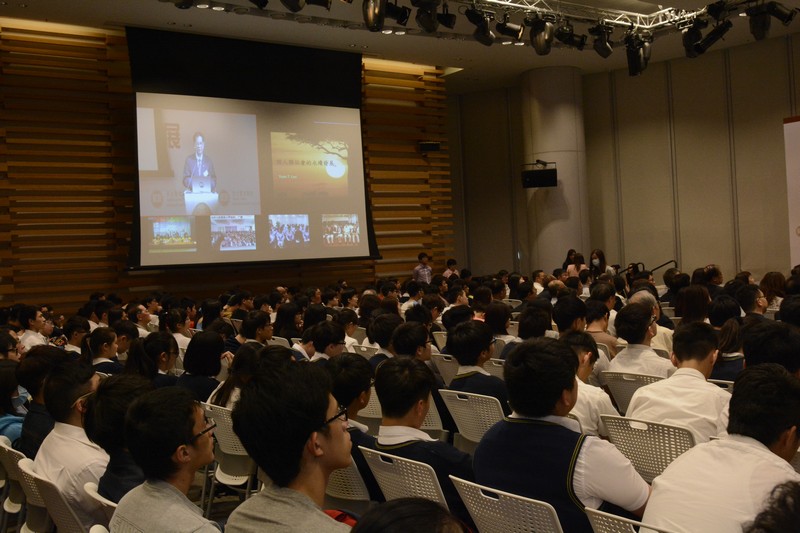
(37, 518)
(446, 365)
(661, 352)
(371, 414)
(603, 522)
(237, 324)
(108, 506)
(513, 328)
(98, 528)
(279, 341)
(13, 497)
(605, 349)
(440, 337)
(432, 424)
(403, 478)
(723, 384)
(296, 340)
(495, 367)
(360, 334)
(474, 414)
(367, 352)
(511, 302)
(346, 489)
(229, 321)
(499, 346)
(650, 446)
(495, 511)
(622, 386)
(669, 312)
(60, 511)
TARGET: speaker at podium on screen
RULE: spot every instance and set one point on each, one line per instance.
(539, 174)
(201, 186)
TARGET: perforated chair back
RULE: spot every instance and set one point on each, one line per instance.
(605, 349)
(228, 441)
(661, 352)
(403, 478)
(237, 324)
(622, 386)
(229, 321)
(440, 337)
(365, 351)
(360, 334)
(446, 365)
(511, 302)
(108, 506)
(723, 384)
(495, 367)
(499, 346)
(650, 446)
(474, 414)
(495, 511)
(60, 511)
(347, 484)
(279, 341)
(603, 522)
(433, 421)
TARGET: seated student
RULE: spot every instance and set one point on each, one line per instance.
(498, 317)
(408, 514)
(10, 418)
(328, 338)
(538, 452)
(686, 398)
(243, 367)
(202, 363)
(380, 331)
(99, 348)
(592, 401)
(31, 373)
(256, 328)
(569, 314)
(105, 426)
(404, 387)
(772, 342)
(724, 314)
(170, 438)
(126, 332)
(722, 484)
(304, 350)
(472, 344)
(75, 329)
(313, 441)
(782, 512)
(352, 385)
(636, 324)
(153, 357)
(349, 321)
(67, 457)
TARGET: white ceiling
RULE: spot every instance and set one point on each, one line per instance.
(482, 67)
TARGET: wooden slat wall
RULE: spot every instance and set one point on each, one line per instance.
(68, 175)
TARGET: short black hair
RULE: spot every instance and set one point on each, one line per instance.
(747, 296)
(537, 372)
(467, 340)
(596, 310)
(433, 301)
(765, 403)
(326, 333)
(37, 364)
(581, 341)
(171, 319)
(408, 337)
(419, 313)
(8, 385)
(781, 514)
(347, 316)
(104, 420)
(722, 309)
(254, 321)
(408, 514)
(156, 424)
(400, 383)
(381, 328)
(76, 324)
(790, 310)
(601, 292)
(456, 315)
(496, 316)
(422, 255)
(202, 357)
(534, 321)
(567, 310)
(315, 314)
(772, 342)
(351, 375)
(632, 322)
(694, 341)
(66, 382)
(412, 288)
(451, 262)
(26, 314)
(294, 398)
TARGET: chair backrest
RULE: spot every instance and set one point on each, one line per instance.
(403, 478)
(432, 421)
(296, 340)
(495, 367)
(669, 312)
(9, 457)
(603, 522)
(622, 386)
(360, 334)
(108, 506)
(650, 446)
(661, 352)
(373, 408)
(279, 341)
(513, 328)
(440, 337)
(499, 346)
(237, 324)
(227, 440)
(474, 414)
(60, 511)
(229, 321)
(446, 365)
(723, 384)
(365, 351)
(512, 302)
(605, 349)
(498, 511)
(347, 484)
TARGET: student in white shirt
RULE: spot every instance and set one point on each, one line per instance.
(349, 321)
(32, 321)
(636, 324)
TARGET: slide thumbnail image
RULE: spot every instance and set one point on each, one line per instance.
(340, 230)
(233, 232)
(288, 231)
(171, 234)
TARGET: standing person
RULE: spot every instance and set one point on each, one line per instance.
(452, 269)
(198, 165)
(422, 272)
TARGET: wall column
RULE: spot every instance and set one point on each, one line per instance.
(558, 217)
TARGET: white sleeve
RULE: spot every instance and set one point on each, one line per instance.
(602, 473)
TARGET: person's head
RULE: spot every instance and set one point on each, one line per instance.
(148, 355)
(540, 378)
(792, 285)
(421, 314)
(408, 514)
(773, 285)
(585, 349)
(692, 303)
(31, 318)
(456, 315)
(256, 325)
(166, 432)
(471, 343)
(328, 338)
(497, 316)
(404, 386)
(634, 323)
(75, 328)
(348, 319)
(413, 289)
(598, 259)
(597, 312)
(100, 343)
(772, 342)
(497, 288)
(380, 330)
(452, 264)
(36, 366)
(669, 277)
(104, 421)
(570, 257)
(65, 391)
(8, 385)
(313, 430)
(765, 406)
(569, 313)
(199, 141)
(221, 328)
(423, 258)
(351, 377)
(102, 309)
(525, 290)
(790, 310)
(173, 320)
(781, 514)
(9, 346)
(722, 309)
(202, 357)
(605, 293)
(751, 299)
(696, 341)
(535, 320)
(211, 309)
(411, 339)
(246, 362)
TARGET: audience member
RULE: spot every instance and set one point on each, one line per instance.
(244, 366)
(772, 342)
(99, 348)
(10, 417)
(202, 363)
(153, 357)
(782, 512)
(636, 325)
(569, 314)
(31, 373)
(408, 514)
(380, 333)
(328, 338)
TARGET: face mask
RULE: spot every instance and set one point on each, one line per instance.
(596, 262)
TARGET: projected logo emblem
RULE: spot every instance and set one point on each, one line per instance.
(335, 166)
(157, 199)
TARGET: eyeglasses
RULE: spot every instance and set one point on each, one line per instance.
(337, 416)
(209, 427)
(81, 397)
(652, 319)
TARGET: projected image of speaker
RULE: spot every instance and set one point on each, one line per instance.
(539, 174)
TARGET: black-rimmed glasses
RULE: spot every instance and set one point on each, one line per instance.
(209, 427)
(337, 416)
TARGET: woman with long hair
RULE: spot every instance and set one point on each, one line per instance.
(99, 348)
(154, 357)
(569, 260)
(575, 268)
(288, 321)
(725, 317)
(498, 317)
(176, 322)
(598, 263)
(203, 363)
(210, 309)
(243, 367)
(773, 285)
(691, 304)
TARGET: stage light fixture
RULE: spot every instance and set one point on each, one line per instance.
(692, 35)
(374, 13)
(399, 14)
(542, 33)
(566, 34)
(446, 19)
(184, 4)
(781, 12)
(296, 5)
(426, 14)
(717, 10)
(481, 19)
(637, 51)
(260, 4)
(759, 21)
(716, 33)
(602, 40)
(509, 29)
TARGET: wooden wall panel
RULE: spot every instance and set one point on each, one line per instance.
(68, 175)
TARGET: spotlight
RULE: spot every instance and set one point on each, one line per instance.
(509, 29)
(446, 19)
(374, 12)
(260, 4)
(717, 10)
(426, 14)
(637, 57)
(602, 42)
(781, 12)
(566, 35)
(481, 19)
(759, 21)
(713, 36)
(400, 14)
(296, 5)
(184, 4)
(692, 35)
(542, 32)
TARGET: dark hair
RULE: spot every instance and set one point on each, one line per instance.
(773, 285)
(254, 321)
(535, 320)
(408, 514)
(692, 303)
(765, 403)
(8, 343)
(419, 313)
(422, 255)
(244, 366)
(382, 327)
(581, 341)
(65, 383)
(126, 328)
(433, 301)
(351, 375)
(632, 322)
(294, 398)
(481, 297)
(326, 333)
(781, 514)
(210, 310)
(412, 288)
(772, 342)
(694, 341)
(26, 314)
(284, 320)
(76, 324)
(497, 315)
(400, 383)
(346, 317)
(596, 310)
(170, 319)
(722, 309)
(790, 310)
(93, 342)
(8, 385)
(747, 296)
(156, 424)
(104, 420)
(366, 306)
(567, 310)
(730, 337)
(315, 314)
(408, 337)
(220, 327)
(536, 373)
(144, 353)
(202, 357)
(467, 340)
(36, 365)
(456, 315)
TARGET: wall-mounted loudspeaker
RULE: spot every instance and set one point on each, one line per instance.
(539, 177)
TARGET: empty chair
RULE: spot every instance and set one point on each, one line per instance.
(279, 341)
(498, 511)
(622, 386)
(440, 337)
(403, 478)
(650, 446)
(62, 514)
(474, 414)
(13, 496)
(513, 328)
(446, 365)
(603, 522)
(108, 506)
(495, 367)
